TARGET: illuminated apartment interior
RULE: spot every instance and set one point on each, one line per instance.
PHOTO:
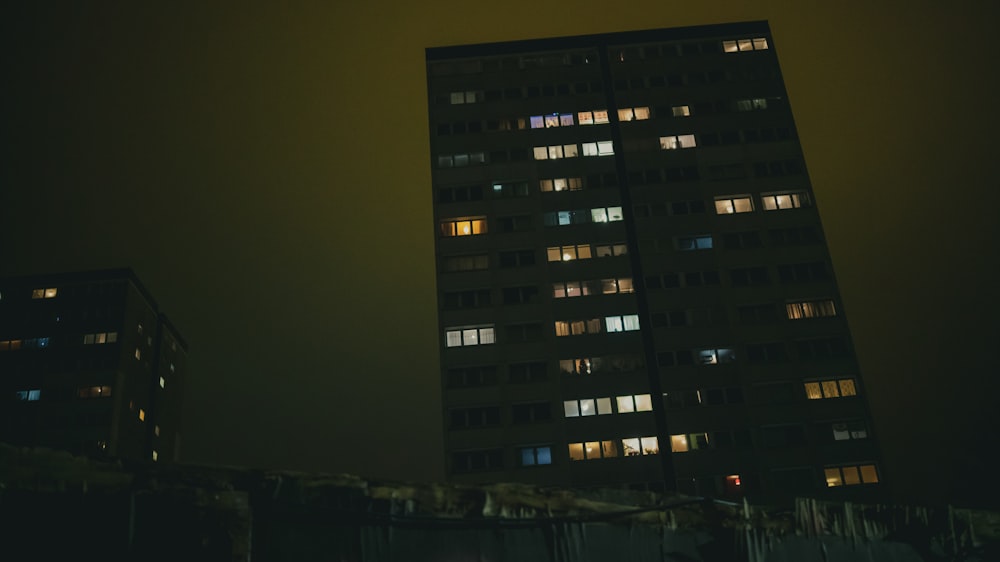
(90, 366)
(634, 288)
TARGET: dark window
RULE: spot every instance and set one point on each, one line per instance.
(687, 207)
(531, 413)
(518, 154)
(793, 480)
(527, 372)
(477, 461)
(756, 314)
(674, 358)
(520, 295)
(465, 263)
(466, 299)
(524, 332)
(461, 193)
(766, 352)
(485, 375)
(671, 319)
(825, 348)
(794, 236)
(750, 276)
(474, 417)
(737, 240)
(517, 258)
(803, 272)
(783, 436)
(773, 393)
(517, 223)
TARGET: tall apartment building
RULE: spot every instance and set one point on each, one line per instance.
(88, 364)
(634, 287)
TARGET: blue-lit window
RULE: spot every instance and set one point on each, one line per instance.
(533, 456)
(29, 395)
(694, 243)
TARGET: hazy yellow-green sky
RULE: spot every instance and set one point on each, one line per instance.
(266, 172)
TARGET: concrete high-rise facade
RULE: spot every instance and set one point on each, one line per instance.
(633, 283)
(88, 364)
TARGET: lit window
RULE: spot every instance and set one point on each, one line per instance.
(569, 253)
(678, 443)
(640, 446)
(592, 450)
(609, 250)
(156, 430)
(88, 339)
(585, 117)
(846, 431)
(94, 392)
(751, 104)
(633, 114)
(569, 289)
(463, 227)
(139, 328)
(171, 367)
(100, 338)
(810, 309)
(155, 455)
(533, 456)
(587, 407)
(634, 403)
(571, 150)
(600, 116)
(731, 205)
(142, 414)
(781, 201)
(537, 121)
(677, 142)
(694, 243)
(457, 98)
(850, 475)
(715, 356)
(643, 403)
(561, 184)
(44, 293)
(29, 395)
(464, 337)
(608, 214)
(680, 111)
(577, 327)
(138, 354)
(551, 120)
(743, 45)
(832, 388)
(626, 323)
(163, 382)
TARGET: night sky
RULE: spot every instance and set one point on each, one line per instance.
(267, 176)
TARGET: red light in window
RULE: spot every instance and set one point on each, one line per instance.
(734, 478)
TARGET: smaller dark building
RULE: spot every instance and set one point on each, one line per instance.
(88, 364)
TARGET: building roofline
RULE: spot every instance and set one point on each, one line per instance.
(582, 41)
(91, 276)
